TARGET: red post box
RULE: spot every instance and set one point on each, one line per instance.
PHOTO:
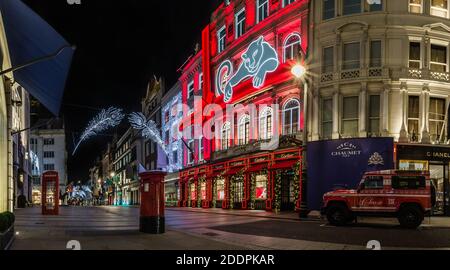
(50, 193)
(152, 219)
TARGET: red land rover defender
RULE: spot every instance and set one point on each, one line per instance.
(407, 195)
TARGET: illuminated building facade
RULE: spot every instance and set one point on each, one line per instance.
(252, 158)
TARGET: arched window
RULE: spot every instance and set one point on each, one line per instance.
(266, 124)
(226, 135)
(292, 47)
(244, 130)
(291, 117)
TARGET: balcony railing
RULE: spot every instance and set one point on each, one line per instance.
(354, 74)
(425, 74)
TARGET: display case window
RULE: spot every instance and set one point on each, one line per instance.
(261, 187)
(220, 189)
(413, 165)
(203, 190)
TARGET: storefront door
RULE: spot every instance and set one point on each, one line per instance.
(287, 198)
(440, 177)
(238, 193)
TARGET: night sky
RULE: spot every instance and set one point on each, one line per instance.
(120, 45)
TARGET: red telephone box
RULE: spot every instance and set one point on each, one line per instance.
(50, 193)
(152, 219)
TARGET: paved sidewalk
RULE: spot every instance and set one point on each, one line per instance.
(435, 222)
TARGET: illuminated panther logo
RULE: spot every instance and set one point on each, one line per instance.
(259, 60)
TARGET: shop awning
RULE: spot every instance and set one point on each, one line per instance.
(284, 165)
(29, 38)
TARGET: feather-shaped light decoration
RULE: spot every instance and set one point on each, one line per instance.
(106, 119)
(149, 129)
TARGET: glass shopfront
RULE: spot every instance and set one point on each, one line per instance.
(220, 192)
(260, 192)
(433, 159)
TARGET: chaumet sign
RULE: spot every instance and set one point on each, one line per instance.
(258, 60)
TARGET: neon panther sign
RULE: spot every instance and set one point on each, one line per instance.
(258, 60)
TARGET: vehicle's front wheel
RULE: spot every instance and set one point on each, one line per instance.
(410, 217)
(338, 215)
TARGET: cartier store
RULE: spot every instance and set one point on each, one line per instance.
(434, 158)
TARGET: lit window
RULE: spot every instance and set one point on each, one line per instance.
(350, 116)
(415, 60)
(292, 47)
(327, 118)
(240, 23)
(200, 81)
(328, 9)
(244, 130)
(328, 60)
(200, 149)
(439, 8)
(261, 187)
(226, 136)
(373, 5)
(415, 6)
(352, 7)
(287, 2)
(221, 37)
(190, 90)
(291, 117)
(438, 61)
(437, 120)
(265, 124)
(374, 115)
(375, 53)
(262, 10)
(351, 56)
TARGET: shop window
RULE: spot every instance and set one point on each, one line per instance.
(415, 6)
(415, 60)
(221, 39)
(375, 54)
(291, 117)
(327, 118)
(328, 11)
(439, 8)
(328, 60)
(437, 120)
(262, 10)
(287, 2)
(374, 115)
(373, 5)
(350, 116)
(265, 124)
(220, 187)
(226, 136)
(351, 56)
(351, 7)
(292, 47)
(438, 61)
(244, 130)
(413, 165)
(203, 190)
(261, 187)
(193, 191)
(240, 23)
(413, 118)
(408, 182)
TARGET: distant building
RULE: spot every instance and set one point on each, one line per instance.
(155, 158)
(171, 115)
(48, 143)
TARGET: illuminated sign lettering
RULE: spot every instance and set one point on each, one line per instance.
(259, 60)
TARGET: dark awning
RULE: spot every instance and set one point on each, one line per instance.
(29, 38)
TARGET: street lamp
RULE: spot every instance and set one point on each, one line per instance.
(299, 72)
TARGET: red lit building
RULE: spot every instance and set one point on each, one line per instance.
(253, 160)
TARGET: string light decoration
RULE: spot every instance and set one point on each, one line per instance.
(106, 119)
(149, 130)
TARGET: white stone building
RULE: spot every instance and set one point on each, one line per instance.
(49, 145)
(382, 69)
